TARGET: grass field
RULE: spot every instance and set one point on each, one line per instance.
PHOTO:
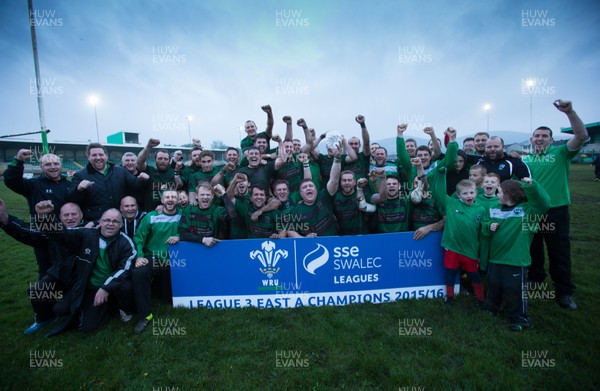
(407, 345)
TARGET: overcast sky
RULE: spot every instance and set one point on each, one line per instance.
(152, 63)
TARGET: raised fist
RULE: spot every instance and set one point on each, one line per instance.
(266, 109)
(153, 142)
(303, 158)
(402, 128)
(360, 119)
(301, 122)
(451, 133)
(287, 119)
(429, 130)
(24, 154)
(276, 138)
(44, 207)
(563, 105)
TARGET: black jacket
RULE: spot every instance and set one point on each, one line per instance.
(36, 189)
(85, 244)
(105, 193)
(507, 167)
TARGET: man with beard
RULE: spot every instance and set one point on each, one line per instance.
(350, 204)
(251, 130)
(161, 177)
(469, 145)
(394, 210)
(259, 217)
(50, 185)
(205, 222)
(479, 141)
(495, 160)
(59, 277)
(156, 232)
(550, 167)
(101, 185)
(132, 216)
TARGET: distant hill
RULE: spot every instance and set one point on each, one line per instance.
(508, 136)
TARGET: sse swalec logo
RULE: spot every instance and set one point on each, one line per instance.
(315, 259)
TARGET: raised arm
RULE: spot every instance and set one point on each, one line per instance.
(289, 132)
(232, 187)
(218, 178)
(13, 176)
(270, 121)
(303, 158)
(452, 151)
(143, 155)
(308, 137)
(366, 139)
(437, 149)
(580, 134)
(334, 175)
(351, 153)
(401, 152)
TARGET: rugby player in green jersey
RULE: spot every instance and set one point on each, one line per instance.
(426, 215)
(251, 130)
(313, 216)
(156, 232)
(550, 166)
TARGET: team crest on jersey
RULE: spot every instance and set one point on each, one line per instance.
(268, 257)
(500, 167)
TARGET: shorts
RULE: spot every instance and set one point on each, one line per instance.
(454, 260)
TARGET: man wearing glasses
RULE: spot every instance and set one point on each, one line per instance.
(104, 260)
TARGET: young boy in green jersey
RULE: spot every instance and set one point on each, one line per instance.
(488, 198)
(476, 174)
(461, 238)
(511, 236)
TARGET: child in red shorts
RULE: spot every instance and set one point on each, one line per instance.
(461, 238)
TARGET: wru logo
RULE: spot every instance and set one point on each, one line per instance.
(268, 257)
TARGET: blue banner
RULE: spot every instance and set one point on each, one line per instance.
(288, 273)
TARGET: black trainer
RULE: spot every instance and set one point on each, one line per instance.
(142, 324)
(566, 301)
